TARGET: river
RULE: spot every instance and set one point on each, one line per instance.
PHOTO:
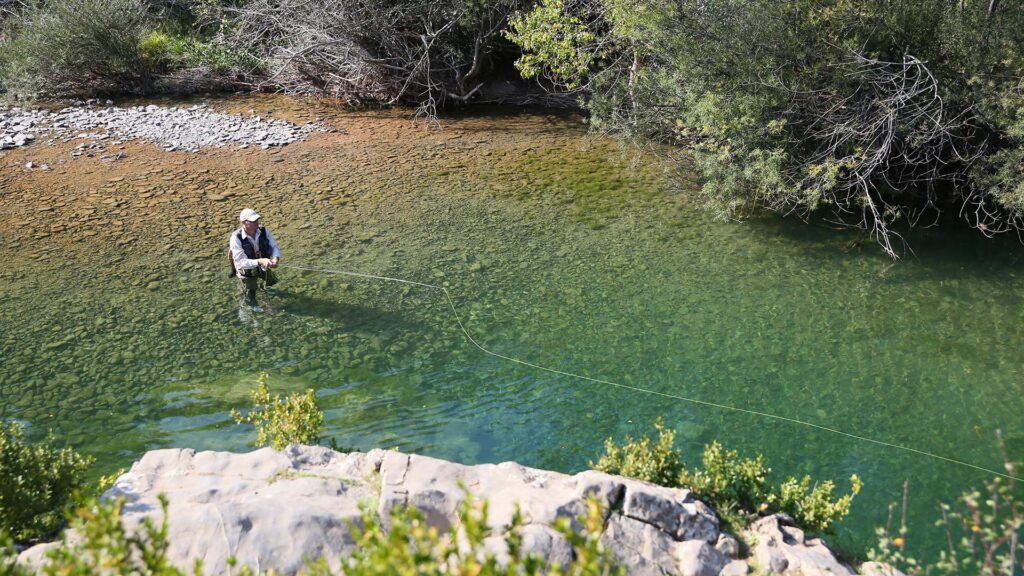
(120, 330)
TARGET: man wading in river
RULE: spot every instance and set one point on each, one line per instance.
(253, 254)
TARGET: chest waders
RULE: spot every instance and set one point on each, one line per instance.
(250, 277)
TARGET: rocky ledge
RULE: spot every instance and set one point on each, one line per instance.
(277, 510)
(173, 128)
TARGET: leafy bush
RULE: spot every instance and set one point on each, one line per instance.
(159, 51)
(728, 478)
(37, 482)
(280, 422)
(812, 505)
(107, 481)
(659, 463)
(737, 487)
(554, 43)
(76, 48)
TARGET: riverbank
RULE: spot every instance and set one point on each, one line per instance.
(189, 129)
(280, 511)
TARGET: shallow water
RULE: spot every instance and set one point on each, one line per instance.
(121, 332)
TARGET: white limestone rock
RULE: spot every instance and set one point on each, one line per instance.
(698, 558)
(671, 510)
(728, 545)
(782, 549)
(267, 509)
(735, 568)
(278, 510)
(642, 548)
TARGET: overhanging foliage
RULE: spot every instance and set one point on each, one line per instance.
(876, 111)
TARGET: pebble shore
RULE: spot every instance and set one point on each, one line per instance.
(174, 128)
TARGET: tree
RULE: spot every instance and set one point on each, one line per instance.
(876, 111)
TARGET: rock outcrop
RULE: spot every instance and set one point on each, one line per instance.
(278, 510)
(779, 547)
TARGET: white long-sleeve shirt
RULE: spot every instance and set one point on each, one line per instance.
(243, 262)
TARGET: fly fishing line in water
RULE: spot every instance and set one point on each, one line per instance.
(458, 319)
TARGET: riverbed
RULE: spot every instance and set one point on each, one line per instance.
(121, 331)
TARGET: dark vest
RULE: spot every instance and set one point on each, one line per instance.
(250, 250)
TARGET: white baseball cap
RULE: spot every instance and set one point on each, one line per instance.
(248, 215)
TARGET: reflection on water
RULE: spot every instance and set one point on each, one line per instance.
(557, 250)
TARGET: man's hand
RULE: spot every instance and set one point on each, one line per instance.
(273, 262)
(264, 262)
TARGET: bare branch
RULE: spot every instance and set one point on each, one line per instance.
(375, 51)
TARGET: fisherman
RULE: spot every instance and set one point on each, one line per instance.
(254, 254)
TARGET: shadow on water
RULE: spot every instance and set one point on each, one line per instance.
(347, 315)
(503, 118)
(947, 250)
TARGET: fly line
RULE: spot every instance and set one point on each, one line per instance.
(451, 303)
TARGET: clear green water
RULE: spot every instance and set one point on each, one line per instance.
(557, 251)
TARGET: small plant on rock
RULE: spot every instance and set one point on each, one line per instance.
(811, 504)
(737, 487)
(728, 478)
(37, 483)
(279, 421)
(657, 462)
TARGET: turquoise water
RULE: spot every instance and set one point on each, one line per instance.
(557, 249)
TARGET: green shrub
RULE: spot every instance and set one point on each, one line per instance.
(659, 463)
(737, 487)
(813, 506)
(106, 482)
(728, 478)
(554, 43)
(280, 422)
(159, 51)
(76, 48)
(37, 482)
